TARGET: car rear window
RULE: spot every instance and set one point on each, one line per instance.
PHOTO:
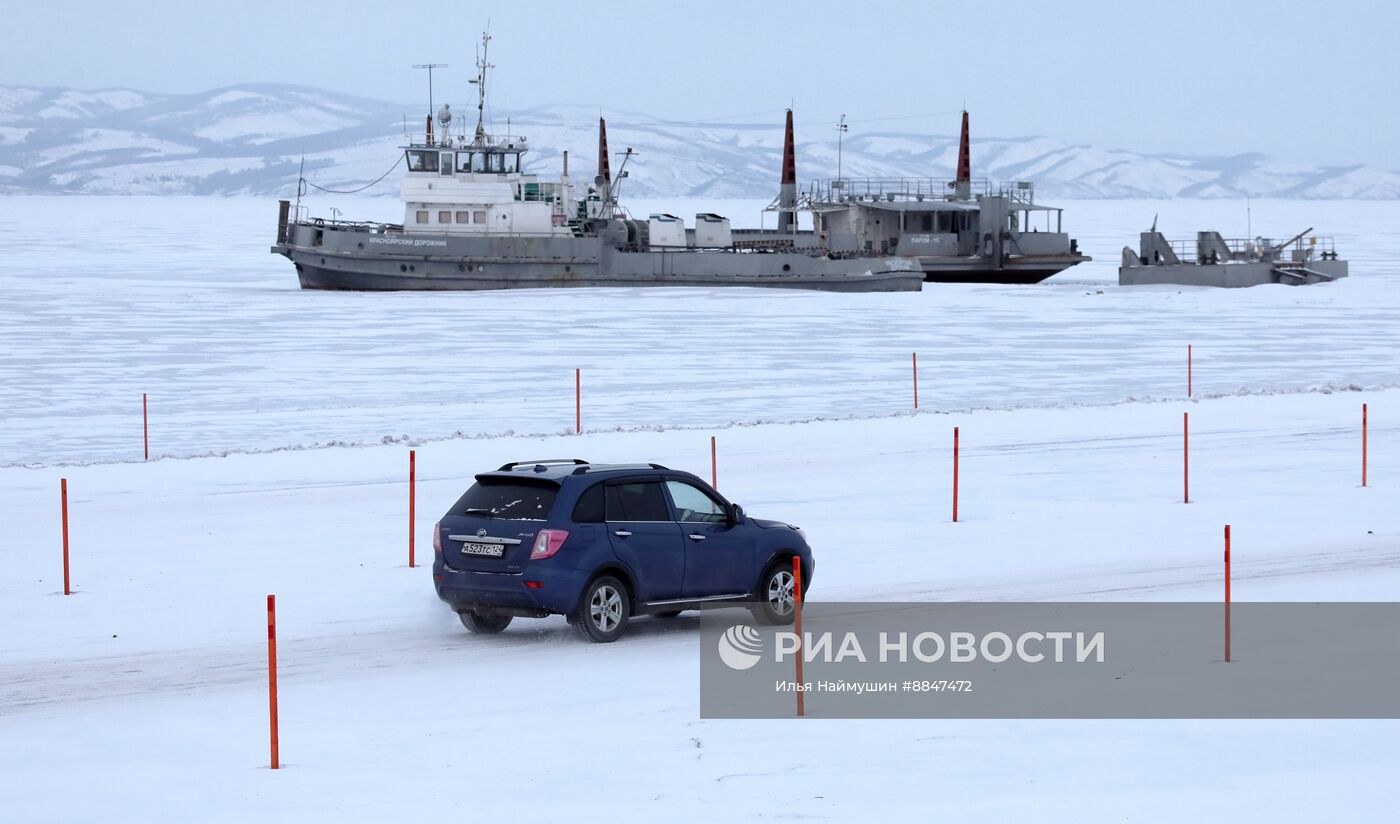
(511, 500)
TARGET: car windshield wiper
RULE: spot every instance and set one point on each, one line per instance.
(485, 513)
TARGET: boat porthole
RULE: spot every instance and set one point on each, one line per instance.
(359, 246)
(323, 261)
(412, 268)
(461, 267)
(403, 267)
(568, 268)
(787, 268)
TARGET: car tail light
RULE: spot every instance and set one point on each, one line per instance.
(548, 542)
(437, 537)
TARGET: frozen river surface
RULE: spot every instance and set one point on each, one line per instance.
(107, 298)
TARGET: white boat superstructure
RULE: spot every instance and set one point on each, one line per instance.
(477, 186)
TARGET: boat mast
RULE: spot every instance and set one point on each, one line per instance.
(430, 67)
(841, 129)
(480, 83)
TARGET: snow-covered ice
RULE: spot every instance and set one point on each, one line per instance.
(143, 694)
(107, 298)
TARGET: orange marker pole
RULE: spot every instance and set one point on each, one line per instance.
(797, 625)
(714, 464)
(578, 402)
(1188, 370)
(63, 494)
(272, 675)
(955, 474)
(1227, 593)
(1363, 444)
(1186, 457)
(412, 499)
(916, 380)
(145, 427)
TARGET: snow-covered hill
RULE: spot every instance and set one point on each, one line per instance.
(251, 139)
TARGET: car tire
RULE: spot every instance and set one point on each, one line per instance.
(671, 613)
(773, 602)
(484, 624)
(602, 611)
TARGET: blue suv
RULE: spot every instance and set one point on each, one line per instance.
(602, 543)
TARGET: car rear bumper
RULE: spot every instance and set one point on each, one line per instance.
(555, 591)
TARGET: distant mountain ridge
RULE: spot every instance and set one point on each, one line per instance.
(250, 139)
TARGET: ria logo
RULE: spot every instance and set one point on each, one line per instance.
(740, 647)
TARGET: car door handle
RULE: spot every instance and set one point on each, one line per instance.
(697, 537)
(622, 533)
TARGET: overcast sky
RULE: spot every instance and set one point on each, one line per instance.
(1312, 82)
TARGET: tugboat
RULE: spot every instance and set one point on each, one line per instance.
(473, 219)
(1212, 260)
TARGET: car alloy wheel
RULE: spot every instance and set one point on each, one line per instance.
(773, 596)
(780, 592)
(602, 611)
(605, 608)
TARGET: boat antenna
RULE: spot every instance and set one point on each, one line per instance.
(841, 129)
(430, 67)
(301, 181)
(480, 82)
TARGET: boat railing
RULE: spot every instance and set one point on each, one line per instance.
(368, 226)
(1262, 248)
(1321, 245)
(870, 189)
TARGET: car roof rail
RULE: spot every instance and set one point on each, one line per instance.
(583, 470)
(550, 462)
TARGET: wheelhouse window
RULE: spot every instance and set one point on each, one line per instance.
(446, 163)
(422, 161)
(464, 162)
(422, 216)
(444, 217)
(496, 163)
(478, 161)
(512, 162)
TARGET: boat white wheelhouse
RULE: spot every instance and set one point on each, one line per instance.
(478, 186)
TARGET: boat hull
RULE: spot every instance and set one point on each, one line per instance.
(356, 260)
(1233, 275)
(1015, 270)
(316, 277)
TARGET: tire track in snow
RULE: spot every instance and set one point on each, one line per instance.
(54, 686)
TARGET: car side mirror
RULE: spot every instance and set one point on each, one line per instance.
(736, 514)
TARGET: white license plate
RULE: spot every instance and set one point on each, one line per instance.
(489, 550)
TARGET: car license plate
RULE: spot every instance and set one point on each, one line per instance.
(489, 550)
